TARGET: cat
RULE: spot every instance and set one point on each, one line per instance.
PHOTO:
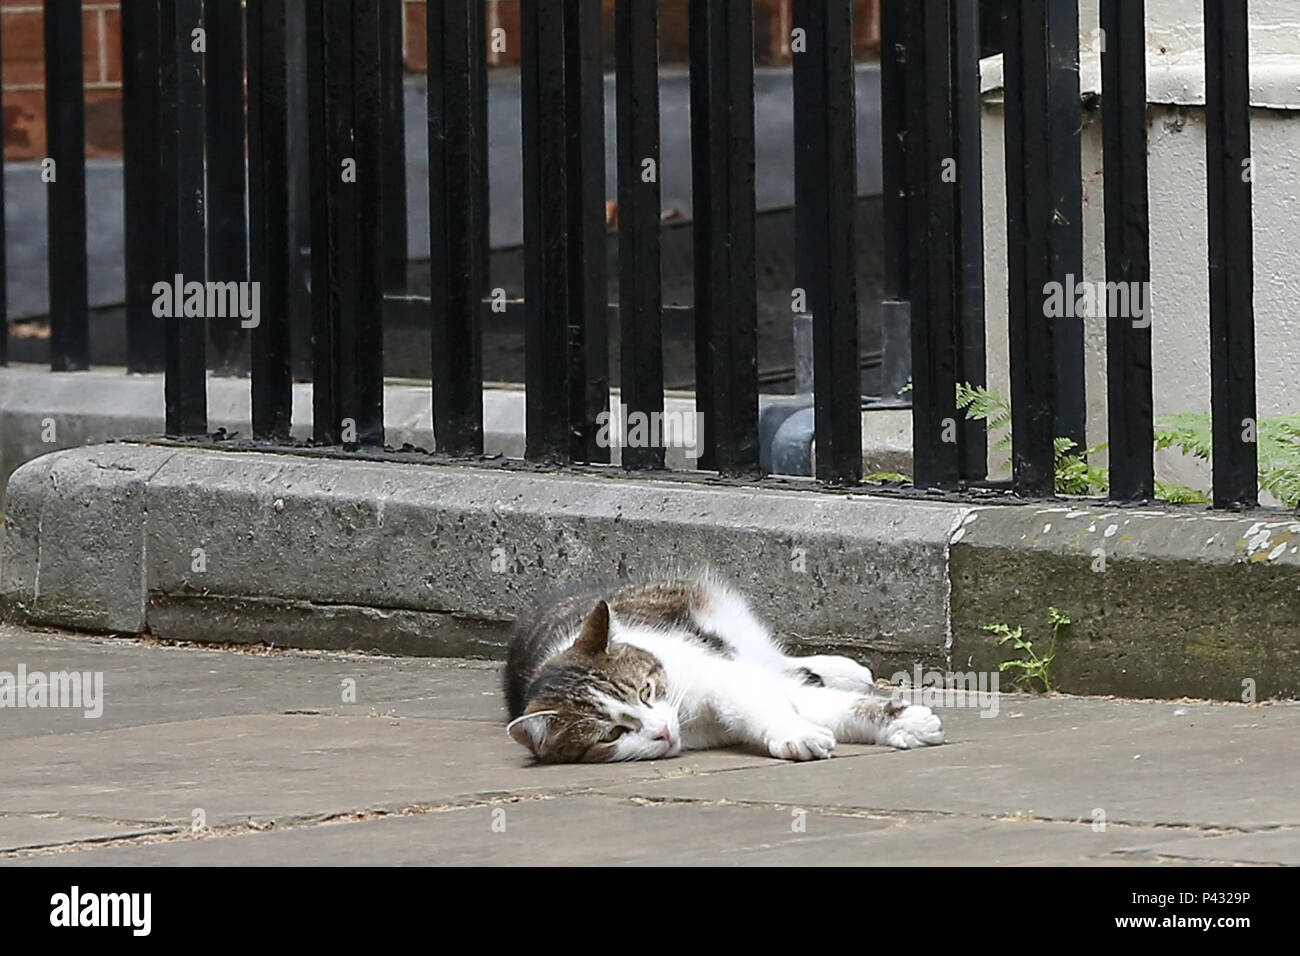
(645, 671)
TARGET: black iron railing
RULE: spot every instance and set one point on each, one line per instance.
(324, 136)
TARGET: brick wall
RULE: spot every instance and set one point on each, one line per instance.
(24, 70)
(771, 31)
(21, 24)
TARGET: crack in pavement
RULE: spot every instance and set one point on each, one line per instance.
(166, 833)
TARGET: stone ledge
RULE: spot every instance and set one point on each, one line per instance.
(1179, 603)
(859, 573)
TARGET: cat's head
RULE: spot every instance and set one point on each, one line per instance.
(601, 700)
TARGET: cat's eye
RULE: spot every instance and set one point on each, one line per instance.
(647, 693)
(613, 734)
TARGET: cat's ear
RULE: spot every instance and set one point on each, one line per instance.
(530, 729)
(594, 638)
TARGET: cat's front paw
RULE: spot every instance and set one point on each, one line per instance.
(913, 726)
(806, 741)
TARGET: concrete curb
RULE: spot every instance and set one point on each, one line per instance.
(200, 544)
(178, 532)
(1186, 603)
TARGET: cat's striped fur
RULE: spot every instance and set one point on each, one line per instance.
(642, 671)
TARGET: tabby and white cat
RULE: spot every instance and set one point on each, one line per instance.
(648, 670)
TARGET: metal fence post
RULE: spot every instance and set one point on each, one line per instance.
(1128, 257)
(458, 222)
(722, 164)
(1231, 259)
(825, 209)
(640, 293)
(65, 115)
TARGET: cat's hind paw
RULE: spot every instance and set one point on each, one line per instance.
(914, 726)
(809, 742)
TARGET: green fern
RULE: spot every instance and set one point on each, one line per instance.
(1030, 667)
(1277, 447)
(980, 404)
(1180, 494)
(1074, 476)
(1191, 433)
(885, 476)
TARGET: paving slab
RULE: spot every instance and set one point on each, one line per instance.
(285, 767)
(1215, 766)
(1280, 847)
(419, 767)
(151, 683)
(591, 830)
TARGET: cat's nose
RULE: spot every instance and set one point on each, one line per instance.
(664, 733)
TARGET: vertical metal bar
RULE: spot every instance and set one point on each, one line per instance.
(825, 205)
(702, 186)
(339, 209)
(896, 371)
(1064, 132)
(1043, 229)
(932, 219)
(227, 229)
(181, 128)
(347, 240)
(394, 126)
(893, 146)
(369, 132)
(360, 320)
(588, 290)
(66, 190)
(269, 244)
(546, 255)
(457, 224)
(1231, 259)
(969, 229)
(1128, 257)
(722, 147)
(324, 160)
(302, 170)
(640, 292)
(479, 96)
(141, 159)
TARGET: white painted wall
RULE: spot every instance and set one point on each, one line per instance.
(1176, 189)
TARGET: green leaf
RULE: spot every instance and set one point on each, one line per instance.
(886, 476)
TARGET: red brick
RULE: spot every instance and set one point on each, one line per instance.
(24, 124)
(866, 29)
(504, 15)
(24, 117)
(771, 32)
(24, 48)
(417, 37)
(90, 46)
(674, 31)
(113, 46)
(104, 122)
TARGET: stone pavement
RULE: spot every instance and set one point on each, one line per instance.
(263, 749)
